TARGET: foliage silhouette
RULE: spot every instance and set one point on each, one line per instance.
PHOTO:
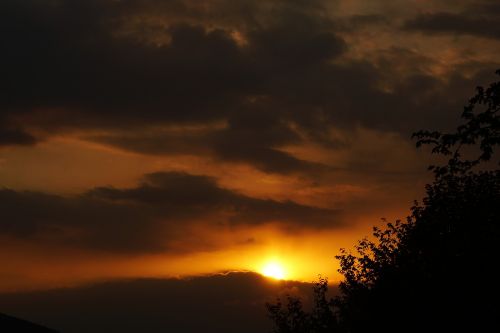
(481, 128)
(436, 270)
(292, 318)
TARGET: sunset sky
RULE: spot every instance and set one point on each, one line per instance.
(173, 138)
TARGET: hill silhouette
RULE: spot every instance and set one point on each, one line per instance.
(13, 325)
(224, 303)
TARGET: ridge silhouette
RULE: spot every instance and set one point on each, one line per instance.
(16, 325)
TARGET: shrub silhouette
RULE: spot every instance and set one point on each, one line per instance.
(436, 270)
(293, 319)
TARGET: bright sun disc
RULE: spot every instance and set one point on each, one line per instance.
(274, 270)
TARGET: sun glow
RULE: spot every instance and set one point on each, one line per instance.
(274, 270)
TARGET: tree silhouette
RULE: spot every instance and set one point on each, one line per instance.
(436, 270)
(292, 318)
(481, 130)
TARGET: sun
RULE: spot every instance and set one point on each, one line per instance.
(273, 270)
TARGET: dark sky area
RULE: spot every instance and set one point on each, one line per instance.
(217, 303)
(146, 141)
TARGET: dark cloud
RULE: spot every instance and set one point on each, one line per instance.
(72, 65)
(267, 70)
(220, 303)
(149, 217)
(480, 19)
(179, 194)
(74, 57)
(78, 221)
(358, 22)
(250, 136)
(10, 137)
(14, 135)
(460, 24)
(255, 136)
(68, 55)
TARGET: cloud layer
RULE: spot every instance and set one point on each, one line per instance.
(220, 303)
(153, 216)
(241, 115)
(273, 74)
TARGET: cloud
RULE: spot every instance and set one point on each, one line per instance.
(95, 73)
(459, 24)
(250, 136)
(232, 302)
(117, 71)
(200, 74)
(152, 217)
(125, 66)
(10, 137)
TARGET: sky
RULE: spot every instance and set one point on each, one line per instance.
(180, 138)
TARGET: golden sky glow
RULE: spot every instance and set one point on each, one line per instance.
(182, 138)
